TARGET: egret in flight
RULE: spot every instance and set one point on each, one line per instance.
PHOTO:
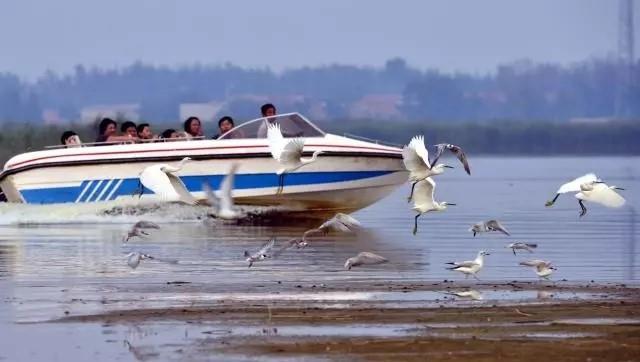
(423, 200)
(222, 203)
(288, 153)
(160, 179)
(416, 160)
(590, 188)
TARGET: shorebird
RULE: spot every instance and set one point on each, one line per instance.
(339, 222)
(456, 150)
(416, 160)
(261, 254)
(138, 229)
(469, 267)
(467, 294)
(288, 153)
(364, 258)
(521, 246)
(223, 205)
(491, 225)
(160, 179)
(134, 258)
(423, 200)
(543, 268)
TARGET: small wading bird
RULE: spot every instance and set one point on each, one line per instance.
(423, 200)
(134, 258)
(521, 246)
(491, 225)
(261, 254)
(222, 203)
(590, 188)
(161, 180)
(416, 160)
(288, 153)
(364, 258)
(138, 229)
(543, 268)
(469, 267)
(339, 222)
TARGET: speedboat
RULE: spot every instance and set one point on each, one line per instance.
(350, 174)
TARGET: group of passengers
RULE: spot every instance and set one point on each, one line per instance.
(130, 132)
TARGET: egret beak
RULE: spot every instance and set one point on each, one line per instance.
(452, 204)
(446, 166)
(619, 188)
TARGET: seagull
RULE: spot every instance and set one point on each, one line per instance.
(339, 222)
(416, 160)
(364, 258)
(138, 229)
(160, 179)
(260, 254)
(600, 193)
(456, 150)
(469, 267)
(223, 204)
(491, 225)
(423, 200)
(521, 246)
(543, 268)
(288, 153)
(573, 186)
(134, 258)
(470, 294)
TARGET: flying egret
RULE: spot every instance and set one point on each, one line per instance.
(339, 222)
(521, 246)
(573, 186)
(160, 179)
(491, 225)
(364, 258)
(543, 267)
(423, 200)
(138, 229)
(261, 254)
(416, 160)
(469, 267)
(134, 258)
(223, 205)
(600, 193)
(456, 150)
(288, 153)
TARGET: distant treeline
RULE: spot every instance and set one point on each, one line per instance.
(520, 90)
(499, 138)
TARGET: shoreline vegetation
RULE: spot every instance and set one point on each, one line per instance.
(492, 138)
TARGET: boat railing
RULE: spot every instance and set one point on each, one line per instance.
(378, 142)
(137, 141)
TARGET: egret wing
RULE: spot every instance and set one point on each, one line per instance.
(181, 190)
(574, 185)
(226, 201)
(604, 195)
(424, 193)
(292, 152)
(275, 139)
(158, 182)
(415, 155)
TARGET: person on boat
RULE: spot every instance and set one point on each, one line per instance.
(129, 128)
(70, 139)
(144, 132)
(107, 132)
(170, 133)
(193, 127)
(225, 124)
(268, 111)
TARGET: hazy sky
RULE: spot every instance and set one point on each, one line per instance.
(448, 34)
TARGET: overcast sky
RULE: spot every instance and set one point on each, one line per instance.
(449, 34)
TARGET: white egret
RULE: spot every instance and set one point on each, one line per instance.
(469, 267)
(261, 254)
(364, 258)
(222, 203)
(543, 268)
(339, 222)
(160, 179)
(573, 186)
(288, 153)
(600, 193)
(134, 258)
(423, 200)
(521, 246)
(486, 226)
(416, 160)
(138, 229)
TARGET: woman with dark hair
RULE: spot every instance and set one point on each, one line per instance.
(225, 124)
(70, 139)
(170, 133)
(193, 127)
(107, 132)
(130, 128)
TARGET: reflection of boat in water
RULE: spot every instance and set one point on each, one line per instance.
(349, 175)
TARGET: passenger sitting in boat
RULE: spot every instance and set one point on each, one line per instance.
(107, 132)
(267, 110)
(129, 128)
(170, 133)
(144, 132)
(70, 139)
(225, 124)
(192, 128)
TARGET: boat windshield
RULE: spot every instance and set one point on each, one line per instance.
(291, 125)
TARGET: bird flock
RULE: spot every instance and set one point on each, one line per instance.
(162, 180)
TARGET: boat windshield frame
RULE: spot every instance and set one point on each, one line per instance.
(250, 126)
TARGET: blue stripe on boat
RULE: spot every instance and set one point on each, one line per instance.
(193, 184)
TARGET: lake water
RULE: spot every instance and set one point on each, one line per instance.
(57, 259)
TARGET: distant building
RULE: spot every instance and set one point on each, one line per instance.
(206, 112)
(130, 112)
(51, 116)
(378, 106)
